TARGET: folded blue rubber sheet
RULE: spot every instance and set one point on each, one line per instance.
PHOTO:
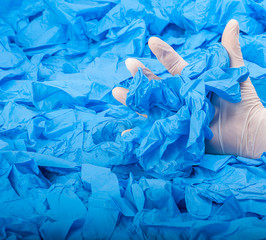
(65, 170)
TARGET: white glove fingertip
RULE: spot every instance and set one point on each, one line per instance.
(120, 94)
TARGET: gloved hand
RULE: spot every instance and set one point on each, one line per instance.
(238, 128)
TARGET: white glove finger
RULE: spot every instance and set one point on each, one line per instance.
(120, 94)
(173, 62)
(128, 130)
(230, 40)
(133, 65)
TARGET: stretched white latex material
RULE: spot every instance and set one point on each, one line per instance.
(238, 128)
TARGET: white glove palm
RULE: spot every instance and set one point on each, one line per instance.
(238, 128)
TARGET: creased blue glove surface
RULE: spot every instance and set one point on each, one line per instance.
(179, 111)
(65, 170)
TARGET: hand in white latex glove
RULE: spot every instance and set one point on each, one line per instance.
(238, 128)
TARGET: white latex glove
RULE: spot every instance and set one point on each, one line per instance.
(238, 128)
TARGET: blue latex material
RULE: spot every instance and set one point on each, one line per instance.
(65, 170)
